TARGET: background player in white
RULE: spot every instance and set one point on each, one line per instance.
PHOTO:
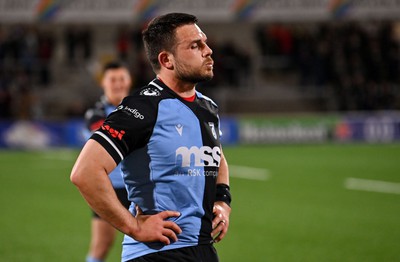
(116, 83)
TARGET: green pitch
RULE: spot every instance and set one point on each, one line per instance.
(290, 203)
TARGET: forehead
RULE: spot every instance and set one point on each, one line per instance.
(189, 33)
(116, 71)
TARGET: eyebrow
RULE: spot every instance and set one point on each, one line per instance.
(199, 40)
(196, 40)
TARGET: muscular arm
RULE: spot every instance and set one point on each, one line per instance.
(221, 210)
(90, 175)
(223, 173)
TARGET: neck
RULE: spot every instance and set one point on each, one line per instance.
(183, 89)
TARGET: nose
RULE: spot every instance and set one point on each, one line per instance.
(120, 83)
(207, 50)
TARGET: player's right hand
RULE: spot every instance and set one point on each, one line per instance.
(155, 228)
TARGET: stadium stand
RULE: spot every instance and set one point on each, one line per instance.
(48, 70)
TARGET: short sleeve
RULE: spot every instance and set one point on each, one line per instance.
(128, 127)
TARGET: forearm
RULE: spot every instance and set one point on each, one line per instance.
(223, 173)
(90, 176)
(102, 199)
(223, 194)
(222, 209)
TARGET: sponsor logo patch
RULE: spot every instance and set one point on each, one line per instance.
(96, 125)
(212, 127)
(179, 128)
(113, 132)
(198, 157)
(150, 92)
(134, 112)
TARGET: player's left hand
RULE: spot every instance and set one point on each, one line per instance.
(220, 223)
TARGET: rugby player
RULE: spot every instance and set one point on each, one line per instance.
(167, 138)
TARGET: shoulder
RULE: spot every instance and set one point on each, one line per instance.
(149, 95)
(155, 90)
(206, 98)
(206, 101)
(141, 104)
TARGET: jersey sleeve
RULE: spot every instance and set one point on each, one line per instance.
(127, 128)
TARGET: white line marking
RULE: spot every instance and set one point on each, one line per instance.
(251, 173)
(372, 185)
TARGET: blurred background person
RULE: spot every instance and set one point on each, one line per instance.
(116, 83)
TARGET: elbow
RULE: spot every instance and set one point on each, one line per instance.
(76, 178)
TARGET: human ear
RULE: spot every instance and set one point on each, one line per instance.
(166, 60)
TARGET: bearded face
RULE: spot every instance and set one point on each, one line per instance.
(194, 74)
(192, 55)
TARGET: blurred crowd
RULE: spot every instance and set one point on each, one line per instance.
(28, 61)
(356, 64)
(25, 62)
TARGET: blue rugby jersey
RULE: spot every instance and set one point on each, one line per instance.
(170, 153)
(94, 118)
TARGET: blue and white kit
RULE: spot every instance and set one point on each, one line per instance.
(170, 152)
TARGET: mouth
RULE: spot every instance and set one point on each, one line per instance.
(210, 64)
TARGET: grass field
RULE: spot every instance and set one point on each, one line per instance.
(290, 203)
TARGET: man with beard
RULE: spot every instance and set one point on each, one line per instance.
(167, 138)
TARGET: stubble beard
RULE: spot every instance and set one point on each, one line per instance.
(192, 75)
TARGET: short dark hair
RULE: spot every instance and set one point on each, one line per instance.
(114, 65)
(160, 35)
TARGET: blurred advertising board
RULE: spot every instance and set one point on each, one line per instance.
(41, 134)
(307, 129)
(379, 127)
(71, 133)
(384, 128)
(230, 130)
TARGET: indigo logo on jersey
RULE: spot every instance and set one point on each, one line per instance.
(113, 132)
(203, 156)
(134, 112)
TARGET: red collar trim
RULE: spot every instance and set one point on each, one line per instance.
(190, 98)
